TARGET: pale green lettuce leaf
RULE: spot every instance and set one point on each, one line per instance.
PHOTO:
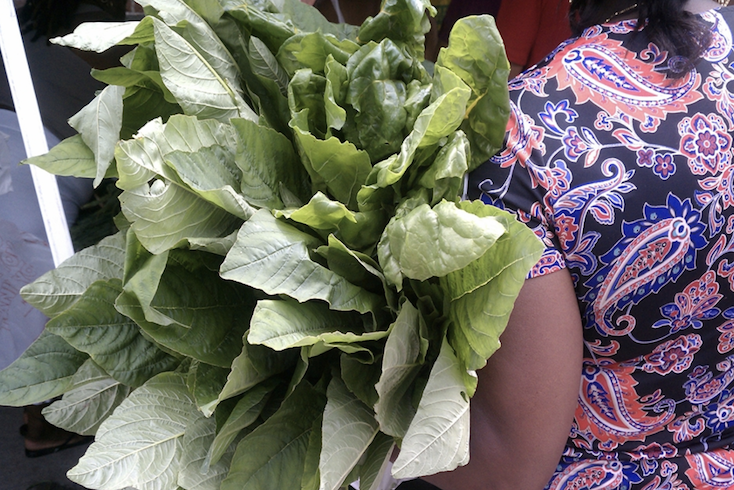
(189, 75)
(283, 325)
(403, 20)
(446, 174)
(273, 256)
(483, 294)
(273, 455)
(307, 18)
(142, 158)
(146, 208)
(312, 50)
(200, 432)
(59, 288)
(244, 414)
(378, 91)
(334, 166)
(432, 242)
(205, 383)
(254, 365)
(97, 36)
(211, 173)
(93, 325)
(439, 120)
(186, 308)
(335, 93)
(99, 123)
(476, 53)
(321, 213)
(438, 437)
(45, 370)
(70, 157)
(90, 400)
(267, 161)
(348, 429)
(140, 444)
(376, 462)
(266, 66)
(403, 358)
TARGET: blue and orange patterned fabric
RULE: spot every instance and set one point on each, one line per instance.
(627, 176)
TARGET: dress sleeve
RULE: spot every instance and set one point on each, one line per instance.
(517, 180)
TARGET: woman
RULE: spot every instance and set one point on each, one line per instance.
(617, 360)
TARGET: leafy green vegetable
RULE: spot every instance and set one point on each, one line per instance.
(296, 287)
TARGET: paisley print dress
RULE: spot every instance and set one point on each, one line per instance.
(627, 176)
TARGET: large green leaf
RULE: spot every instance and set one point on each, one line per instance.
(99, 123)
(311, 479)
(244, 414)
(335, 93)
(259, 18)
(145, 207)
(58, 289)
(377, 91)
(191, 78)
(265, 66)
(254, 365)
(184, 19)
(140, 444)
(70, 157)
(476, 53)
(312, 50)
(404, 20)
(90, 400)
(483, 294)
(93, 325)
(347, 431)
(286, 324)
(45, 370)
(321, 213)
(376, 462)
(272, 456)
(273, 256)
(405, 352)
(267, 161)
(205, 383)
(430, 242)
(189, 309)
(97, 36)
(334, 166)
(200, 432)
(142, 158)
(211, 173)
(437, 121)
(307, 18)
(438, 437)
(446, 174)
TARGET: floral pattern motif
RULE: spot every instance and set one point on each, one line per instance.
(628, 179)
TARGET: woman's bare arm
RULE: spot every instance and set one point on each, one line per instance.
(523, 408)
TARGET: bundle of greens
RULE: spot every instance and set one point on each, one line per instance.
(296, 286)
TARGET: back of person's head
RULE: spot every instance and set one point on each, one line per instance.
(666, 22)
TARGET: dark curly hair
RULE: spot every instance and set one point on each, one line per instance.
(683, 35)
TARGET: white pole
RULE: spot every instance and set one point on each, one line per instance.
(34, 138)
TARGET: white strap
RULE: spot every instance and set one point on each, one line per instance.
(338, 10)
(34, 138)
